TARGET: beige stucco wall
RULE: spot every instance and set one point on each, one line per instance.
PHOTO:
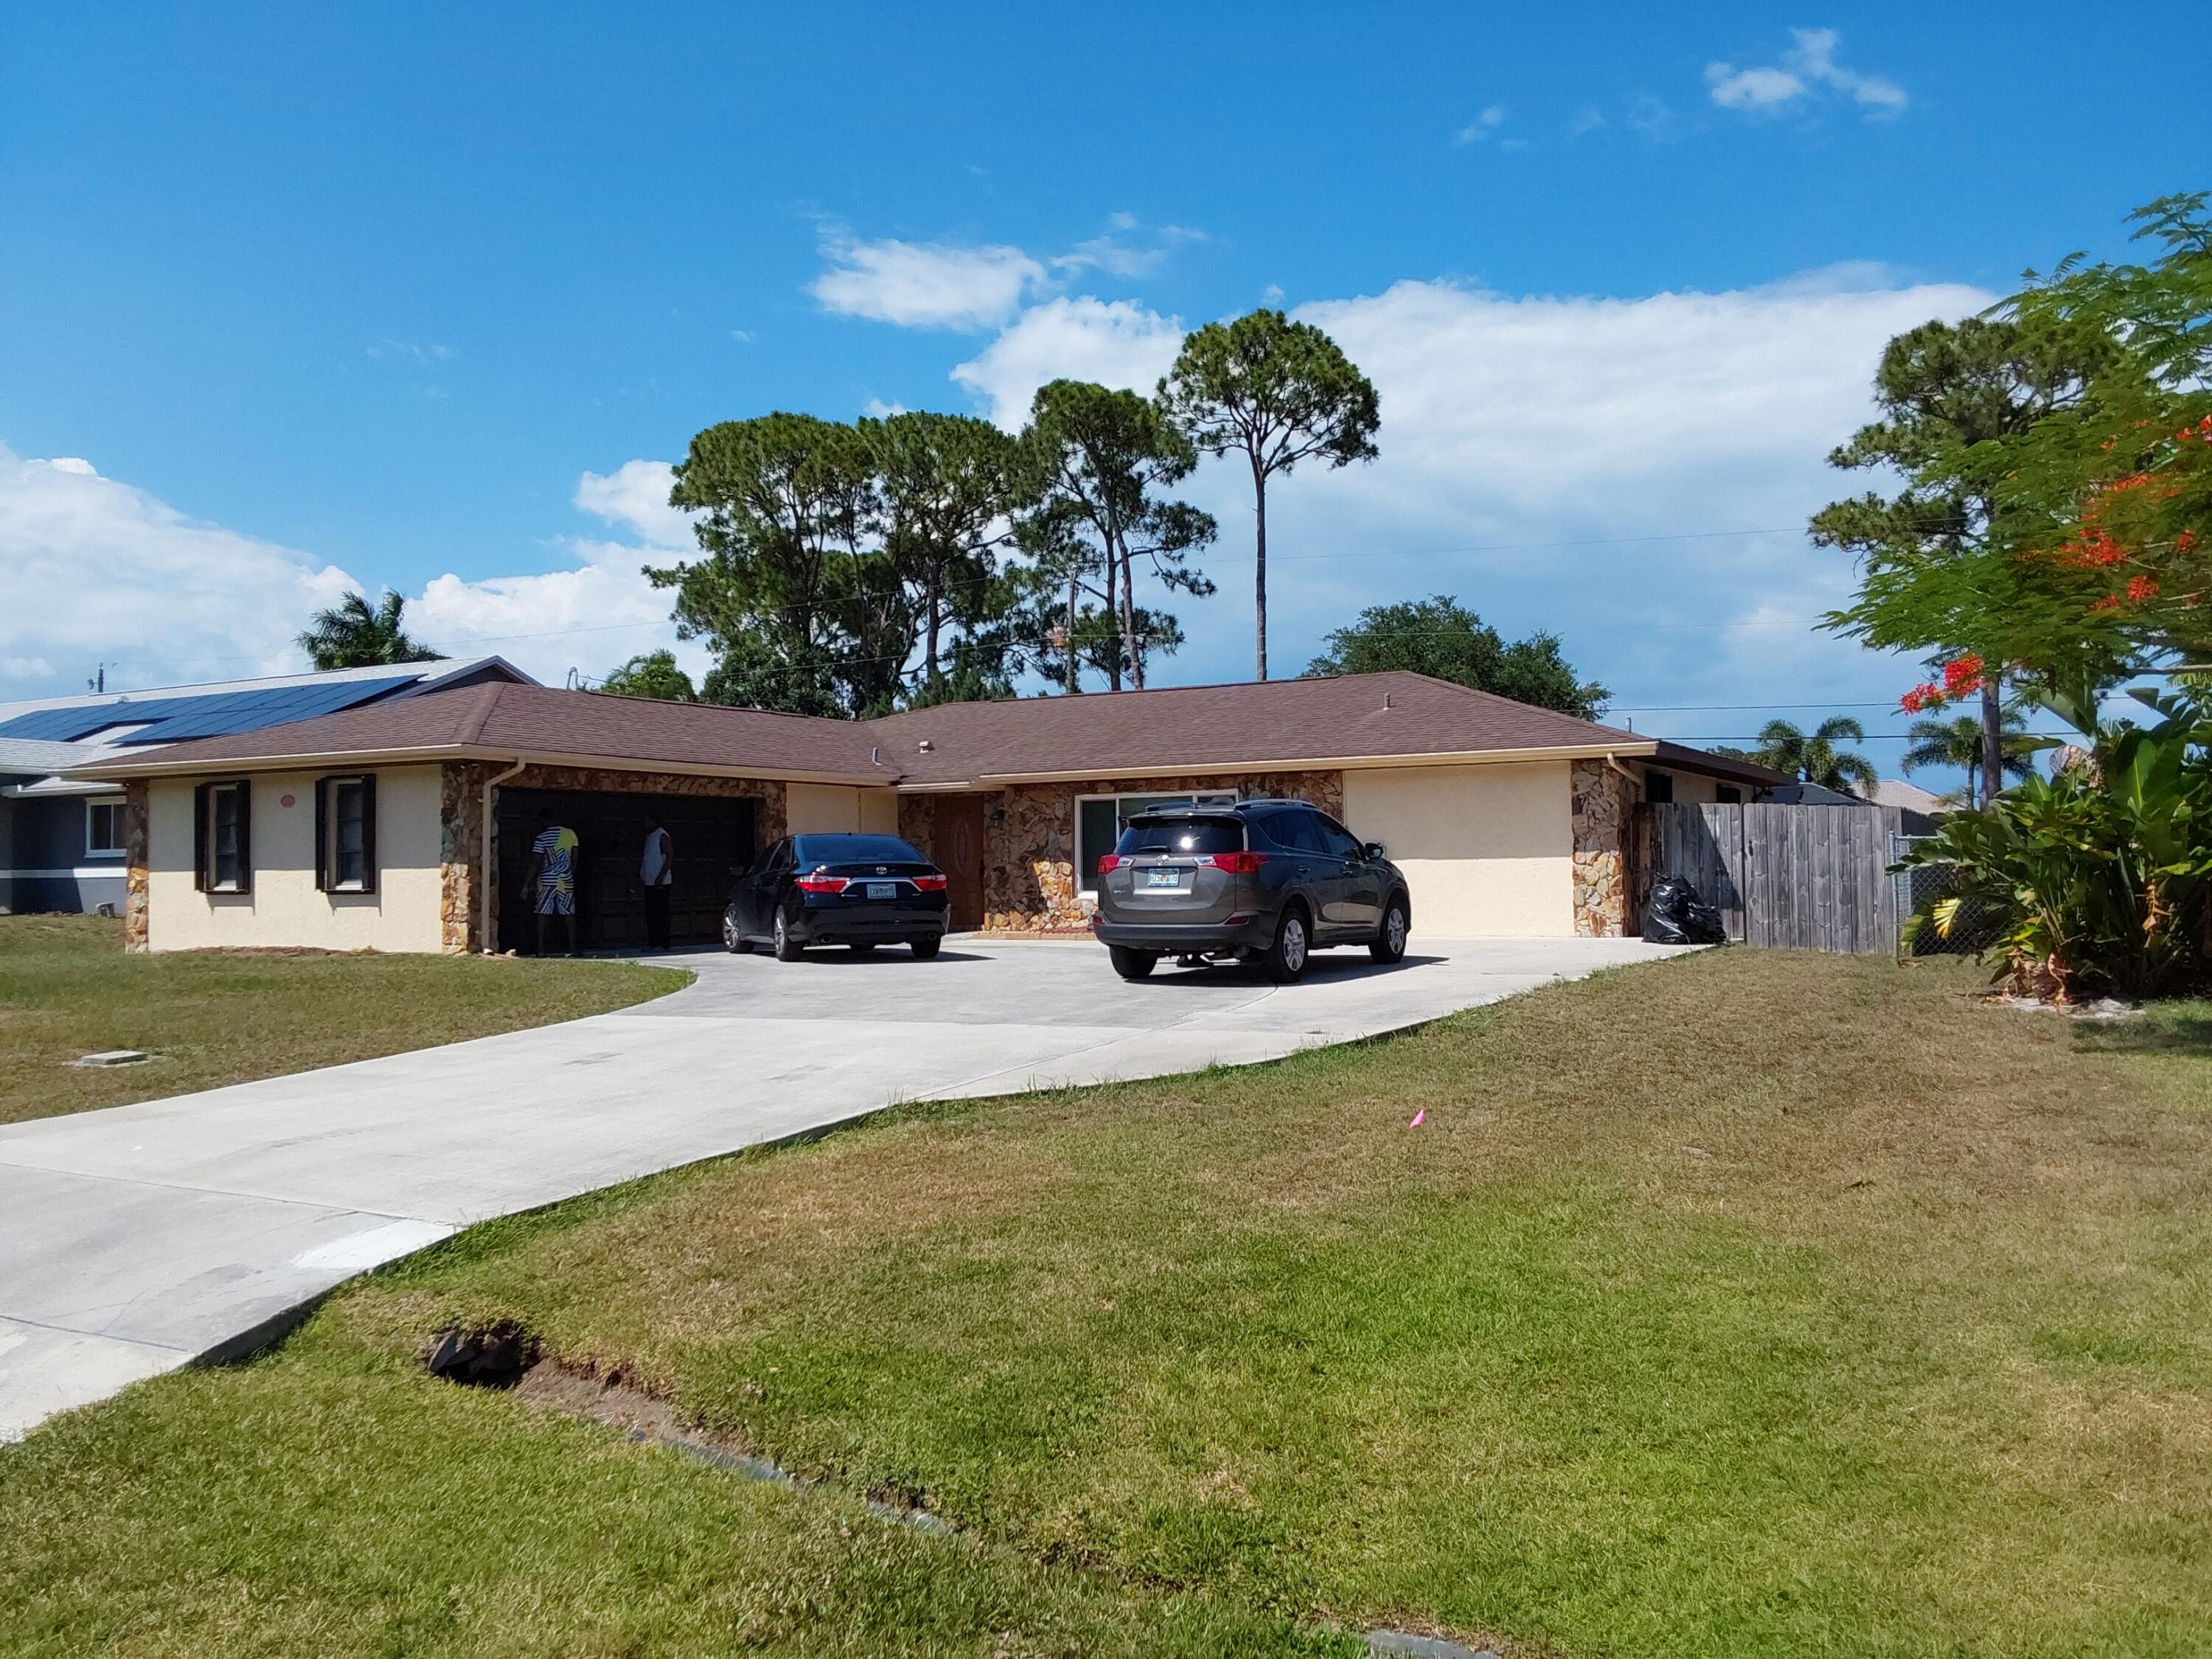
(284, 908)
(1688, 786)
(825, 809)
(1485, 849)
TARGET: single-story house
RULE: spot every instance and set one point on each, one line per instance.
(404, 826)
(62, 838)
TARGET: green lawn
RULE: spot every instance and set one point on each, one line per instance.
(211, 1018)
(1749, 1303)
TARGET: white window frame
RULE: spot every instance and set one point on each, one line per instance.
(93, 849)
(1084, 883)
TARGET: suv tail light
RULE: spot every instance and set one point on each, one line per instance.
(824, 884)
(1240, 864)
(1108, 861)
(930, 883)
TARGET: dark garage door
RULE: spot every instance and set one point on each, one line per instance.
(711, 835)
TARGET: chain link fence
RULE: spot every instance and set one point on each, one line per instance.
(1967, 929)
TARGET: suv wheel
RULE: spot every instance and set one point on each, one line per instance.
(733, 941)
(787, 949)
(928, 946)
(1133, 964)
(1390, 944)
(1286, 959)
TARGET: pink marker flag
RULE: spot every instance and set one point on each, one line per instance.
(1417, 1118)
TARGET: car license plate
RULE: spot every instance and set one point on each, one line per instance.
(882, 889)
(1163, 878)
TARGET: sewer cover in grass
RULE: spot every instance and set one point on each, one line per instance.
(115, 1057)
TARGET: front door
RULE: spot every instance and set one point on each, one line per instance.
(957, 850)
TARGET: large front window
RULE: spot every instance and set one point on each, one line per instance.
(1100, 819)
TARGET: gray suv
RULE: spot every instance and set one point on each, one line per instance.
(1263, 881)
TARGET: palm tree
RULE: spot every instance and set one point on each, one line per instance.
(350, 635)
(1816, 759)
(1958, 743)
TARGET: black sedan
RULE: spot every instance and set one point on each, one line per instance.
(857, 890)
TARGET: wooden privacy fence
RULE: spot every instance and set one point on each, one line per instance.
(1807, 878)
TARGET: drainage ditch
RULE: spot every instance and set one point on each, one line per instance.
(507, 1357)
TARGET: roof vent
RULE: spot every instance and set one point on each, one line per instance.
(1386, 702)
(926, 746)
(875, 755)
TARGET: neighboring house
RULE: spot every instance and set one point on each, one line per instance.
(405, 825)
(1918, 810)
(63, 841)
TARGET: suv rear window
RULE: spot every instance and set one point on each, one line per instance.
(1181, 835)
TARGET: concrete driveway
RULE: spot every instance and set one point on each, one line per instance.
(140, 1238)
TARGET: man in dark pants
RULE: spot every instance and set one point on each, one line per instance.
(657, 871)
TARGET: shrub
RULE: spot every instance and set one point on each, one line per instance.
(2103, 873)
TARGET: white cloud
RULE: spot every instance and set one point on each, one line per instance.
(1482, 126)
(957, 286)
(635, 495)
(99, 572)
(925, 284)
(1557, 462)
(1116, 344)
(1807, 67)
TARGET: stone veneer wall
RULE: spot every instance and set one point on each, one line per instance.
(461, 823)
(1601, 800)
(1028, 859)
(135, 838)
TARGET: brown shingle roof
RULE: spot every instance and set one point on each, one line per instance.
(541, 723)
(1203, 728)
(1216, 728)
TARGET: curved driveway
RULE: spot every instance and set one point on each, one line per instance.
(140, 1238)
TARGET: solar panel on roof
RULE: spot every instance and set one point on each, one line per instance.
(207, 714)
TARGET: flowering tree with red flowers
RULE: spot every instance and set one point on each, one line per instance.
(1936, 571)
(2056, 524)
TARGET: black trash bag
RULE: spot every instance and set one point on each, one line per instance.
(1676, 917)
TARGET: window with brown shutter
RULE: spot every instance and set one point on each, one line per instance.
(345, 833)
(222, 837)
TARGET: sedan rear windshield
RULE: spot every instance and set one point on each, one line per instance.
(854, 850)
(1181, 835)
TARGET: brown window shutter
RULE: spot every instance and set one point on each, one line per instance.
(322, 834)
(368, 832)
(245, 836)
(199, 838)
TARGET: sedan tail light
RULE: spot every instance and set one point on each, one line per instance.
(1240, 864)
(1108, 861)
(824, 884)
(930, 883)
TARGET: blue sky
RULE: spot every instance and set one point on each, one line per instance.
(305, 296)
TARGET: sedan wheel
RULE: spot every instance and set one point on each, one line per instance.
(787, 949)
(733, 941)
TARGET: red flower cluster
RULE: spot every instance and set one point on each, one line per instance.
(2094, 551)
(1921, 697)
(1962, 675)
(2109, 602)
(2202, 430)
(2185, 542)
(2141, 588)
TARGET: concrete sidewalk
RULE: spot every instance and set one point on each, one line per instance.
(140, 1238)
